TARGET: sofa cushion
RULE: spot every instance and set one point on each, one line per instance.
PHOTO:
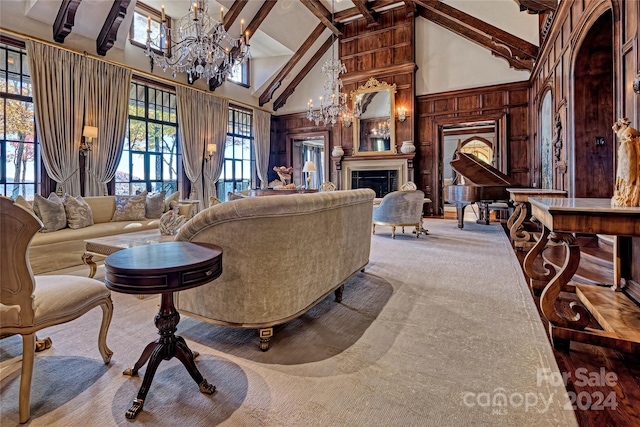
(130, 208)
(21, 201)
(79, 214)
(154, 206)
(102, 207)
(50, 211)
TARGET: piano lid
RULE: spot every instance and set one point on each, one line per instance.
(478, 172)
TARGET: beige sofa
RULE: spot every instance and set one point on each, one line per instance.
(281, 256)
(64, 248)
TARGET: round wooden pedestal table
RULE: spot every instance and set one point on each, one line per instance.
(163, 268)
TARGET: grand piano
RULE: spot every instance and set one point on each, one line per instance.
(476, 182)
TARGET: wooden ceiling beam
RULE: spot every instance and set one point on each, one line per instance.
(322, 14)
(479, 38)
(353, 12)
(537, 6)
(411, 7)
(233, 13)
(362, 7)
(277, 81)
(109, 31)
(519, 48)
(282, 99)
(253, 26)
(65, 19)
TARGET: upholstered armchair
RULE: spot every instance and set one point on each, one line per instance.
(399, 208)
(29, 303)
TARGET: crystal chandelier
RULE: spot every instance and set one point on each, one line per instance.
(383, 129)
(333, 103)
(203, 47)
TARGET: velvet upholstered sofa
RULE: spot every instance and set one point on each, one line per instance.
(281, 256)
(64, 248)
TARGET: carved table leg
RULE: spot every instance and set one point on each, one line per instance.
(339, 292)
(165, 348)
(517, 232)
(514, 215)
(87, 259)
(538, 279)
(580, 318)
(265, 336)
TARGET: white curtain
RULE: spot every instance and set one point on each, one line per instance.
(203, 120)
(262, 144)
(217, 134)
(107, 110)
(59, 92)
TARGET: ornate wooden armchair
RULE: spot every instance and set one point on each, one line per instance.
(399, 208)
(29, 303)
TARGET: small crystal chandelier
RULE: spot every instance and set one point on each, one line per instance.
(383, 130)
(333, 103)
(203, 48)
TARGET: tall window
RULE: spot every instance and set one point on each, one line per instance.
(240, 73)
(238, 169)
(150, 157)
(146, 18)
(18, 142)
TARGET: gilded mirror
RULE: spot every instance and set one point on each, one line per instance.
(374, 127)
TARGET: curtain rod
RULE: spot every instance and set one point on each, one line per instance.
(134, 70)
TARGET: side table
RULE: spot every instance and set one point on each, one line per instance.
(163, 268)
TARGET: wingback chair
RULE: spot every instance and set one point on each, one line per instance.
(29, 303)
(399, 208)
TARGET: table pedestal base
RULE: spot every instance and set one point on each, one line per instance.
(165, 348)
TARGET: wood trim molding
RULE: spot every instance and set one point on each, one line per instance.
(109, 31)
(411, 7)
(322, 14)
(253, 26)
(353, 12)
(302, 50)
(356, 76)
(282, 99)
(65, 19)
(537, 6)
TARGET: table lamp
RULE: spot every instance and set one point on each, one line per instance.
(309, 167)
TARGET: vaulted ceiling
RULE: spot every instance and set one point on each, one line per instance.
(294, 32)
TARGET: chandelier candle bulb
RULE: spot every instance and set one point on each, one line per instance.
(163, 16)
(149, 24)
(221, 14)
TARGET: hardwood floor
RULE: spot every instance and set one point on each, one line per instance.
(603, 384)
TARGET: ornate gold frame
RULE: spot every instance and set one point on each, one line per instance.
(373, 85)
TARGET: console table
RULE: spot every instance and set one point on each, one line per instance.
(520, 197)
(612, 307)
(163, 268)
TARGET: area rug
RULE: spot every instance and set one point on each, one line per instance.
(439, 330)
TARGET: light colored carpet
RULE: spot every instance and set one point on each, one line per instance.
(429, 335)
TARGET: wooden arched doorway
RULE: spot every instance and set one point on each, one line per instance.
(593, 112)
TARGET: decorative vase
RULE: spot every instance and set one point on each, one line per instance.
(337, 151)
(408, 147)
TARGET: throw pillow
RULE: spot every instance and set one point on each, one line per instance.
(154, 206)
(50, 211)
(130, 208)
(213, 201)
(21, 201)
(78, 211)
(171, 200)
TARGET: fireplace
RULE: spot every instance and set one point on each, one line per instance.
(381, 175)
(380, 181)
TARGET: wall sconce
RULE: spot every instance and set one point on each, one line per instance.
(402, 114)
(211, 148)
(309, 167)
(88, 133)
(347, 119)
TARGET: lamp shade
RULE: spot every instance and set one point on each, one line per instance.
(211, 148)
(90, 132)
(309, 166)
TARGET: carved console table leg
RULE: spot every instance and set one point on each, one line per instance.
(514, 215)
(517, 232)
(87, 259)
(538, 279)
(580, 318)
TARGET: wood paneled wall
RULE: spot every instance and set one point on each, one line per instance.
(385, 52)
(577, 31)
(507, 104)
